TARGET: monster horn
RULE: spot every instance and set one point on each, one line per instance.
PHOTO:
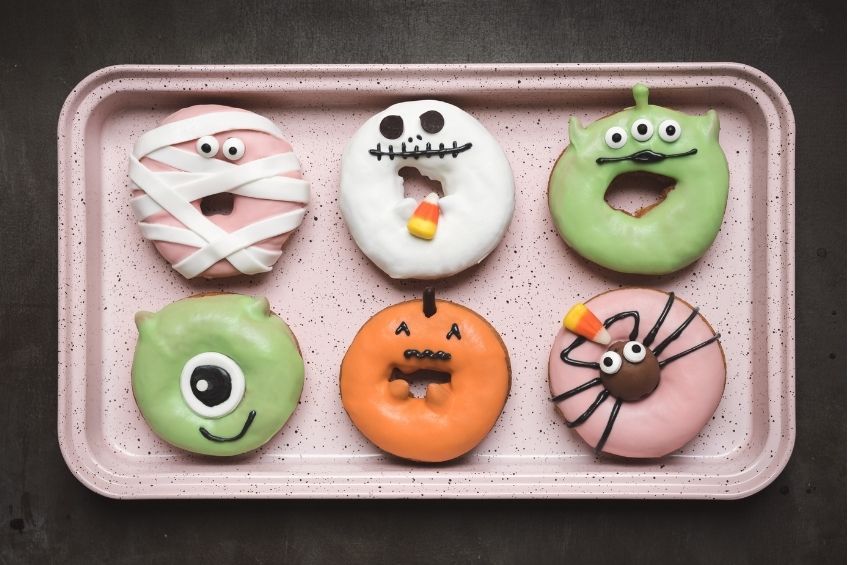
(429, 301)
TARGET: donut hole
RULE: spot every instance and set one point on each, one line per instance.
(416, 185)
(419, 380)
(215, 204)
(637, 192)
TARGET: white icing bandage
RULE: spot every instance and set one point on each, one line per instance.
(195, 177)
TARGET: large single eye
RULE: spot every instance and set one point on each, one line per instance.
(391, 127)
(207, 146)
(634, 351)
(234, 149)
(212, 384)
(432, 121)
(670, 131)
(642, 130)
(610, 362)
(616, 137)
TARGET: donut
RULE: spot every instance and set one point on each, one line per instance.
(217, 190)
(456, 349)
(436, 237)
(216, 374)
(678, 149)
(642, 383)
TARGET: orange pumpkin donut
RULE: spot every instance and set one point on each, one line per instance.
(432, 337)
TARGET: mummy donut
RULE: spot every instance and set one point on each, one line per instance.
(456, 350)
(218, 191)
(436, 237)
(643, 382)
(216, 374)
(682, 151)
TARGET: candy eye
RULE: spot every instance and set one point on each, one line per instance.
(402, 328)
(670, 131)
(212, 384)
(610, 362)
(634, 351)
(207, 146)
(234, 149)
(432, 121)
(391, 127)
(642, 130)
(616, 137)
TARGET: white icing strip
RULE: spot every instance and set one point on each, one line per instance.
(198, 126)
(243, 238)
(189, 161)
(171, 234)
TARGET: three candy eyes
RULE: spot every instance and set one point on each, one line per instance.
(454, 331)
(391, 127)
(207, 146)
(610, 362)
(212, 384)
(642, 130)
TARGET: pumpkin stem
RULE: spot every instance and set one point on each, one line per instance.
(429, 301)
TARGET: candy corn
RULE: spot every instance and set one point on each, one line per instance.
(581, 321)
(424, 220)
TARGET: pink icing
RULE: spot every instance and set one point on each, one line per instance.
(245, 210)
(688, 394)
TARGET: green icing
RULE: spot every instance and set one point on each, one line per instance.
(244, 329)
(666, 238)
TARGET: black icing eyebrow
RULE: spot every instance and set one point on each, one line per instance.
(402, 328)
(454, 331)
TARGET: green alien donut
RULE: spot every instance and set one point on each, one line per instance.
(644, 138)
(217, 374)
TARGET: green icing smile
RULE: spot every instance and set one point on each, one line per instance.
(644, 138)
(216, 374)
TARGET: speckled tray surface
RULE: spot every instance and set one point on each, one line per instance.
(325, 288)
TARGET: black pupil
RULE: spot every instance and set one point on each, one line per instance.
(391, 127)
(211, 384)
(636, 348)
(642, 129)
(607, 362)
(616, 137)
(670, 130)
(432, 121)
(233, 150)
(206, 148)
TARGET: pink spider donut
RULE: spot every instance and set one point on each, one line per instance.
(218, 191)
(643, 382)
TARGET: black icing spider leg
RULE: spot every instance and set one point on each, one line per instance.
(589, 411)
(649, 339)
(577, 390)
(675, 334)
(677, 356)
(605, 436)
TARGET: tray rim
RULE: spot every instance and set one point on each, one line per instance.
(98, 478)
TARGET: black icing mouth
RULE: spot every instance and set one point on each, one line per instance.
(212, 437)
(645, 156)
(427, 354)
(417, 152)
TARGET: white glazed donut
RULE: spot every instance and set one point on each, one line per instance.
(447, 145)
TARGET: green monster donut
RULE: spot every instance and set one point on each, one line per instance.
(644, 138)
(216, 374)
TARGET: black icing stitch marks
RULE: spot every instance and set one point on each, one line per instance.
(417, 153)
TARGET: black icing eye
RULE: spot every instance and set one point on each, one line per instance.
(454, 332)
(391, 127)
(432, 121)
(211, 384)
(402, 328)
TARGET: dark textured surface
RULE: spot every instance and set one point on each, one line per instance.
(49, 517)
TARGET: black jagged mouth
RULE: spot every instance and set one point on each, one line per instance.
(645, 156)
(212, 437)
(417, 153)
(427, 354)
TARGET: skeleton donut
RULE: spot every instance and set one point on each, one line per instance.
(461, 355)
(436, 237)
(642, 383)
(218, 191)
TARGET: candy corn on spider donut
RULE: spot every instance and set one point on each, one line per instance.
(436, 237)
(646, 139)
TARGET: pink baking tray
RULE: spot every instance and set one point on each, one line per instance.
(325, 288)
